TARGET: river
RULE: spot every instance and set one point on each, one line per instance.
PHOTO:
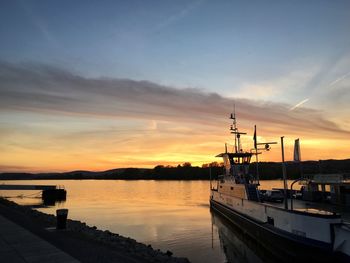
(169, 215)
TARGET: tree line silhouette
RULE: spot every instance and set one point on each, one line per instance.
(185, 171)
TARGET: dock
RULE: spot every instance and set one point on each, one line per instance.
(50, 193)
(27, 187)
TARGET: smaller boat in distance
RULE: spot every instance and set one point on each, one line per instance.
(304, 234)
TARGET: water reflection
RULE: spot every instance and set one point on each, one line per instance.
(238, 246)
(169, 215)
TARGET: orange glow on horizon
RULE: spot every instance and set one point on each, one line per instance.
(54, 143)
(178, 152)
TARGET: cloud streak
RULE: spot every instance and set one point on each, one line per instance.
(339, 79)
(52, 119)
(46, 89)
(298, 104)
(177, 16)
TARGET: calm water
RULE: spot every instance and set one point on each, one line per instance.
(169, 215)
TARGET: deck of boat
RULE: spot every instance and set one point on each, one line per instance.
(307, 205)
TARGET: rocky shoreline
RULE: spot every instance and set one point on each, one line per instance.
(128, 247)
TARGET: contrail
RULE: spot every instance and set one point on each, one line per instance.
(172, 19)
(339, 79)
(298, 105)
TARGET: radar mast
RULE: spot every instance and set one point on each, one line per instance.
(234, 130)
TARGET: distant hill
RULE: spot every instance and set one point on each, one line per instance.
(267, 170)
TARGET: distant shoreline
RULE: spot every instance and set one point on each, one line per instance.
(267, 171)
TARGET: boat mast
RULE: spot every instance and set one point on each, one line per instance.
(234, 130)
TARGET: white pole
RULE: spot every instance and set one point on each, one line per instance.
(257, 166)
(284, 176)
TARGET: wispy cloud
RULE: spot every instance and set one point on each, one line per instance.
(178, 15)
(333, 83)
(320, 78)
(298, 104)
(276, 88)
(100, 123)
(15, 168)
(46, 89)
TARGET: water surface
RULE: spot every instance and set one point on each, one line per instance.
(169, 215)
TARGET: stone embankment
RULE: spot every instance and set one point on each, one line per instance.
(127, 247)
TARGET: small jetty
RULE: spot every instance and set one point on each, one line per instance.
(50, 193)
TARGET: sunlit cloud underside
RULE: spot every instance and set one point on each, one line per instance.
(54, 120)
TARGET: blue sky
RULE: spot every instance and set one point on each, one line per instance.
(215, 45)
(284, 56)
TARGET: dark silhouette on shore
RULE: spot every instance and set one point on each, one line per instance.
(267, 171)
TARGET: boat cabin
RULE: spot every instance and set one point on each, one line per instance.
(237, 165)
(236, 180)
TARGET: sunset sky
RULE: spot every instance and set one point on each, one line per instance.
(97, 85)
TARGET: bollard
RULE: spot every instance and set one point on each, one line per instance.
(61, 215)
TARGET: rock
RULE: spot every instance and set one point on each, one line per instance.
(161, 258)
(123, 244)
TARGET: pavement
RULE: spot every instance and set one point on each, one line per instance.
(18, 245)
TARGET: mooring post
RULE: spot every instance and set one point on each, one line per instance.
(61, 215)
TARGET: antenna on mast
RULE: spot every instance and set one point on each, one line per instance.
(267, 147)
(234, 125)
(234, 130)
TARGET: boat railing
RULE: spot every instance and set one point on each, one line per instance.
(335, 178)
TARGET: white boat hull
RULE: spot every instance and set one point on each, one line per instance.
(295, 230)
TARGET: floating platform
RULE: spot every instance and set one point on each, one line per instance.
(50, 193)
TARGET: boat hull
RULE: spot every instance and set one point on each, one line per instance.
(276, 241)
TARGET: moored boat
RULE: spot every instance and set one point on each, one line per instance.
(236, 196)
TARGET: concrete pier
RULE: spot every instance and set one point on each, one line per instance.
(18, 245)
